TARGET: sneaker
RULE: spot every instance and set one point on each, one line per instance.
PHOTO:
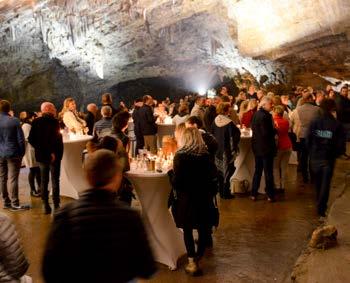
(192, 268)
(34, 194)
(7, 206)
(17, 207)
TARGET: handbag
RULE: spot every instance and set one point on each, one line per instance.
(239, 187)
(293, 139)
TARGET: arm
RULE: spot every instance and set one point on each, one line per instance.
(150, 118)
(12, 260)
(21, 140)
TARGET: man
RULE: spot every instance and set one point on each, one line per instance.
(12, 149)
(97, 238)
(103, 127)
(91, 117)
(252, 93)
(47, 141)
(148, 124)
(264, 148)
(326, 141)
(210, 113)
(319, 97)
(301, 119)
(107, 101)
(198, 108)
(224, 91)
(343, 110)
(137, 125)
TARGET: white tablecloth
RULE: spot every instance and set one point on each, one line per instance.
(166, 240)
(245, 163)
(72, 178)
(164, 130)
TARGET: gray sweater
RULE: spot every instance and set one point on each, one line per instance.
(13, 263)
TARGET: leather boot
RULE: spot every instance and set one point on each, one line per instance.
(47, 208)
(192, 268)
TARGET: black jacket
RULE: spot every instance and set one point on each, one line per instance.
(46, 138)
(326, 138)
(137, 122)
(263, 140)
(99, 240)
(343, 109)
(147, 121)
(194, 182)
(90, 121)
(209, 117)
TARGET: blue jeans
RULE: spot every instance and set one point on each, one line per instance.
(9, 170)
(323, 169)
(55, 170)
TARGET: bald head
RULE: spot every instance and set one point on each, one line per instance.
(48, 108)
(92, 108)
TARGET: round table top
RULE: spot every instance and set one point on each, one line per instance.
(145, 174)
(76, 139)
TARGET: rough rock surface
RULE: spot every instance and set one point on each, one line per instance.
(92, 45)
(324, 237)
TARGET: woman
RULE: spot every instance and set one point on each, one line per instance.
(228, 137)
(243, 108)
(29, 157)
(247, 116)
(284, 149)
(193, 182)
(240, 98)
(71, 118)
(183, 114)
(120, 125)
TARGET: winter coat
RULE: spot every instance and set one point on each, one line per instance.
(282, 128)
(46, 138)
(194, 183)
(97, 239)
(147, 121)
(73, 122)
(228, 136)
(13, 263)
(263, 139)
(29, 157)
(306, 113)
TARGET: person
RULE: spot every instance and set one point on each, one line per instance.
(97, 238)
(47, 141)
(198, 108)
(209, 140)
(232, 112)
(228, 136)
(137, 125)
(91, 117)
(70, 117)
(107, 101)
(148, 124)
(247, 116)
(343, 109)
(319, 97)
(240, 98)
(29, 156)
(264, 148)
(182, 115)
(120, 124)
(284, 149)
(103, 127)
(210, 113)
(13, 263)
(193, 183)
(12, 149)
(304, 114)
(224, 91)
(326, 141)
(252, 93)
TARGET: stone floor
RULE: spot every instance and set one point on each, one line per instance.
(256, 242)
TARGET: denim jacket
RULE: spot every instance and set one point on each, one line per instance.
(12, 143)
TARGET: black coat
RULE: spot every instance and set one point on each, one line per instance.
(97, 239)
(147, 121)
(137, 122)
(343, 109)
(46, 138)
(90, 121)
(263, 140)
(326, 139)
(194, 182)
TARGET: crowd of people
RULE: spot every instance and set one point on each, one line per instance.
(316, 124)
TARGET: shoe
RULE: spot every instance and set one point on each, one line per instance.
(34, 194)
(7, 206)
(47, 209)
(18, 207)
(192, 268)
(271, 200)
(253, 198)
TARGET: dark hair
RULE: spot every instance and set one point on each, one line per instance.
(145, 98)
(106, 98)
(344, 87)
(109, 143)
(328, 106)
(120, 120)
(5, 106)
(195, 120)
(139, 100)
(100, 167)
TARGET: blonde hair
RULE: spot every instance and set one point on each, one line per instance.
(278, 110)
(223, 108)
(252, 104)
(243, 107)
(270, 94)
(65, 107)
(180, 128)
(191, 137)
(277, 100)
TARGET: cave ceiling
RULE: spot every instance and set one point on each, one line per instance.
(110, 41)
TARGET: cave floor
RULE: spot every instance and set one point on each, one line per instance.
(255, 242)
